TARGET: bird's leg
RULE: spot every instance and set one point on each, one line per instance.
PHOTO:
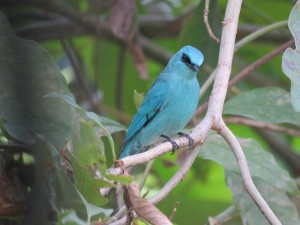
(191, 141)
(174, 144)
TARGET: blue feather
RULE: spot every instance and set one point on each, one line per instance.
(169, 104)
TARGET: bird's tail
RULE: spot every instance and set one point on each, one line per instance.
(126, 149)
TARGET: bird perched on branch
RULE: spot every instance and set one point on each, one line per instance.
(169, 104)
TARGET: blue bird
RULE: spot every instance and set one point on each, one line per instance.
(168, 106)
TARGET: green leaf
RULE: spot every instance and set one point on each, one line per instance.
(88, 159)
(279, 202)
(86, 146)
(69, 196)
(269, 105)
(95, 118)
(216, 149)
(291, 58)
(27, 74)
(110, 125)
(93, 210)
(138, 99)
(88, 185)
(97, 121)
(126, 180)
(67, 98)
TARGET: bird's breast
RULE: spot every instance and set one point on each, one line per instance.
(182, 103)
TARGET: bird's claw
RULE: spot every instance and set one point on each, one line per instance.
(191, 141)
(174, 144)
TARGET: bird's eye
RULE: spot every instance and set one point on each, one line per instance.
(185, 58)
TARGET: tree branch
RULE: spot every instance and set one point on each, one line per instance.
(213, 119)
(244, 73)
(208, 28)
(248, 184)
(258, 124)
(150, 26)
(260, 32)
(224, 216)
(250, 68)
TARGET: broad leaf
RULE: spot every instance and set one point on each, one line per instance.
(279, 202)
(272, 181)
(291, 58)
(87, 157)
(103, 125)
(126, 180)
(27, 74)
(138, 99)
(111, 126)
(269, 105)
(262, 164)
(69, 196)
(143, 208)
(93, 210)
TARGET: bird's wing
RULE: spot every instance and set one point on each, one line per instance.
(152, 104)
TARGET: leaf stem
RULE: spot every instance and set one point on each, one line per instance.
(260, 32)
(246, 40)
(224, 216)
(258, 124)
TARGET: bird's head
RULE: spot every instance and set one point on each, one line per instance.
(187, 60)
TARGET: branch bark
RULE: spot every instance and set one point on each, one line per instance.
(248, 184)
(150, 26)
(206, 22)
(246, 71)
(258, 124)
(213, 119)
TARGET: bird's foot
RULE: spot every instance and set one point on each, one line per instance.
(174, 144)
(191, 141)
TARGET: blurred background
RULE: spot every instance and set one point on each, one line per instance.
(110, 52)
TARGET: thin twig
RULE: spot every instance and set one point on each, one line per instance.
(213, 119)
(224, 216)
(145, 175)
(258, 124)
(248, 184)
(119, 195)
(246, 40)
(205, 16)
(154, 51)
(259, 33)
(78, 73)
(151, 27)
(200, 132)
(245, 72)
(174, 211)
(250, 68)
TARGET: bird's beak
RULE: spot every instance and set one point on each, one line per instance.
(193, 67)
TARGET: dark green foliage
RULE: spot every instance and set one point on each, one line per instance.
(70, 131)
